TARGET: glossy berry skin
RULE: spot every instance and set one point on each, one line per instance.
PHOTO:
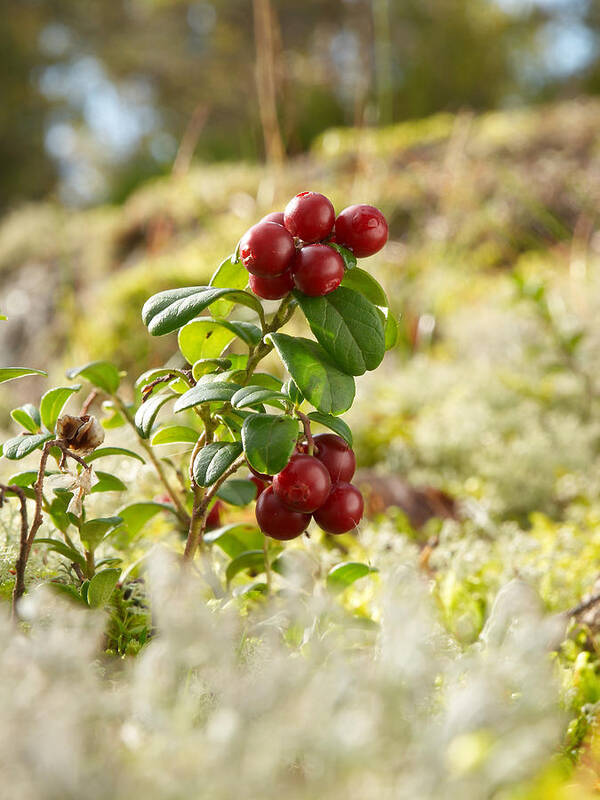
(336, 455)
(362, 229)
(267, 249)
(274, 216)
(272, 288)
(277, 521)
(213, 520)
(309, 216)
(260, 485)
(304, 484)
(343, 509)
(318, 270)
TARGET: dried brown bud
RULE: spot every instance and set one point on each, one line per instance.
(80, 434)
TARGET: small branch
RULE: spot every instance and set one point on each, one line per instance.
(21, 563)
(88, 402)
(182, 514)
(307, 431)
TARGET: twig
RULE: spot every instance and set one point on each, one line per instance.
(19, 587)
(88, 402)
(307, 431)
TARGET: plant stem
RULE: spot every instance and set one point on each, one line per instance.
(182, 514)
(19, 587)
(307, 431)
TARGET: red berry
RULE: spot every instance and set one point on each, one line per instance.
(362, 229)
(272, 288)
(336, 455)
(343, 509)
(309, 216)
(267, 249)
(318, 270)
(274, 216)
(303, 485)
(213, 520)
(260, 485)
(276, 520)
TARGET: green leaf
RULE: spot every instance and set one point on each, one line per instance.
(230, 274)
(21, 446)
(101, 587)
(235, 539)
(213, 460)
(58, 512)
(347, 255)
(136, 515)
(206, 392)
(204, 366)
(102, 374)
(348, 327)
(250, 396)
(167, 311)
(53, 402)
(104, 452)
(345, 574)
(64, 550)
(27, 478)
(269, 441)
(65, 590)
(28, 417)
(293, 392)
(324, 385)
(362, 281)
(251, 559)
(115, 418)
(93, 531)
(203, 338)
(108, 483)
(175, 434)
(11, 373)
(207, 338)
(238, 492)
(146, 414)
(334, 424)
(391, 329)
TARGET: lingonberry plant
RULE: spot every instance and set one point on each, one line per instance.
(234, 416)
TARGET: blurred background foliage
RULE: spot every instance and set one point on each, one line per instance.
(98, 96)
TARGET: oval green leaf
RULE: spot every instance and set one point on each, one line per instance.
(101, 587)
(230, 274)
(251, 559)
(235, 539)
(175, 434)
(206, 392)
(237, 492)
(213, 460)
(108, 483)
(167, 311)
(257, 395)
(52, 403)
(102, 374)
(345, 574)
(362, 281)
(334, 424)
(146, 414)
(136, 515)
(348, 327)
(28, 417)
(326, 387)
(104, 452)
(21, 446)
(269, 441)
(11, 373)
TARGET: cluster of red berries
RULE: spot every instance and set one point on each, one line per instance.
(312, 485)
(290, 249)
